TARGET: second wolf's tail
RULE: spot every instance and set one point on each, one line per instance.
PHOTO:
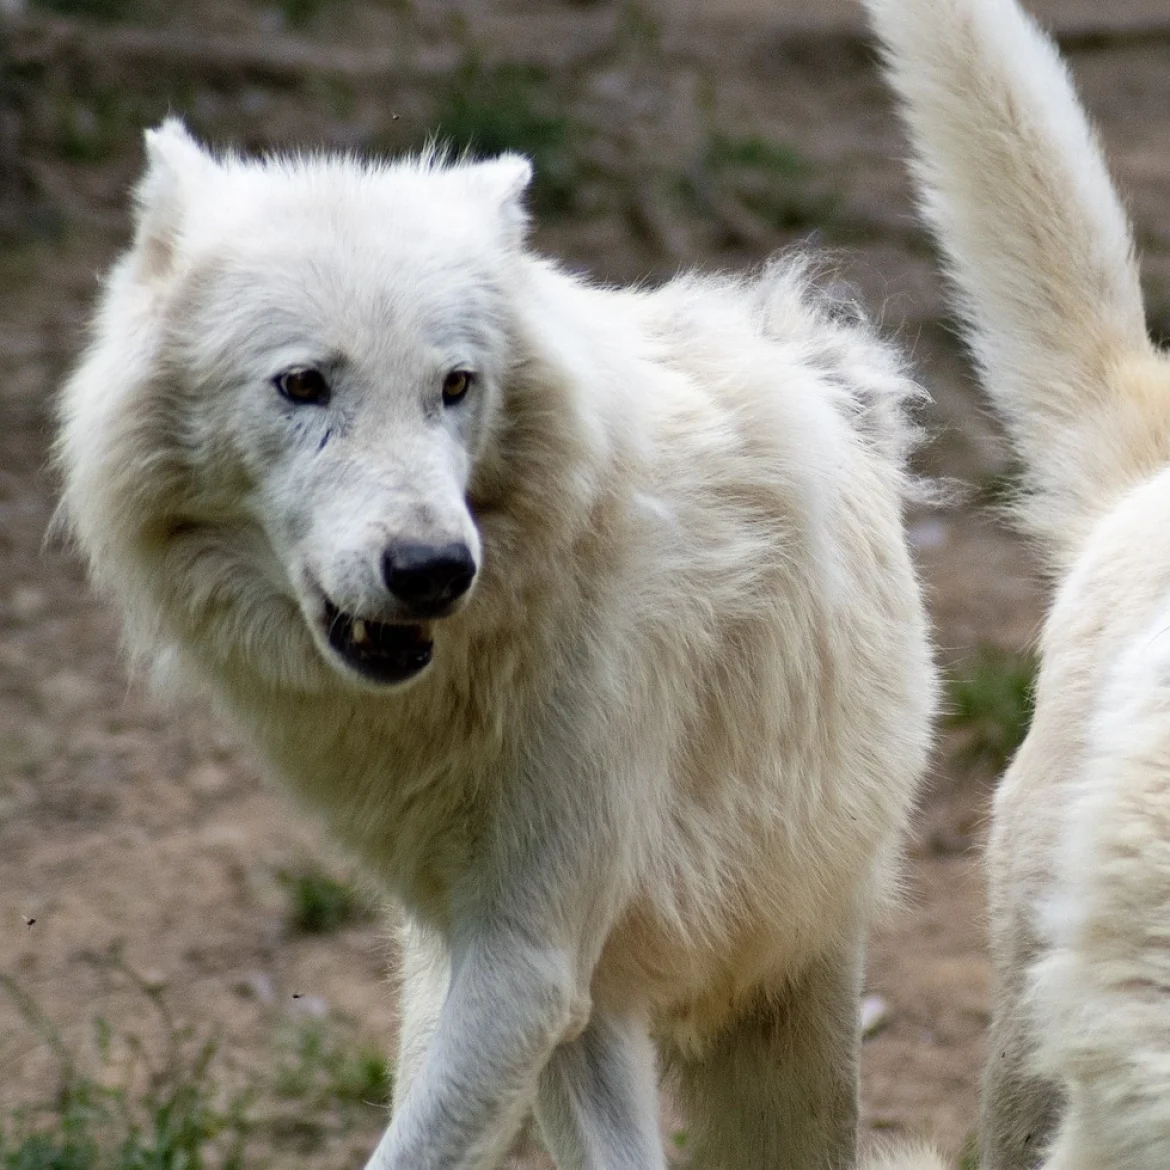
(1014, 184)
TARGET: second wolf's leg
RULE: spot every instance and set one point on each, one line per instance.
(778, 1087)
(598, 1099)
(1019, 1109)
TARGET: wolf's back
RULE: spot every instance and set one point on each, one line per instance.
(1012, 179)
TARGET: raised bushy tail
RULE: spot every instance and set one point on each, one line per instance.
(1013, 181)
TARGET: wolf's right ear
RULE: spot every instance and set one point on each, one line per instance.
(175, 164)
(504, 182)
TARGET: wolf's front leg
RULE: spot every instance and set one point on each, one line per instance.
(426, 973)
(511, 1001)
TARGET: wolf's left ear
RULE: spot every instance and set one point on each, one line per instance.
(175, 166)
(504, 182)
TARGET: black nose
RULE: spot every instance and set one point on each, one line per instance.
(428, 577)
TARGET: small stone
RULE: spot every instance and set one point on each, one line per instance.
(312, 1006)
(153, 979)
(929, 533)
(875, 1015)
(256, 985)
(208, 779)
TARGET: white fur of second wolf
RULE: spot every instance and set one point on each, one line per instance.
(1100, 990)
(656, 777)
(1039, 247)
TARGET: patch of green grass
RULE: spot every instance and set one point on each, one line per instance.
(319, 903)
(334, 94)
(92, 129)
(969, 1156)
(90, 9)
(777, 158)
(990, 699)
(133, 1113)
(122, 1103)
(321, 1063)
(486, 110)
(774, 181)
(298, 13)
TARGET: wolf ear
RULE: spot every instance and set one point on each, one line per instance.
(503, 181)
(175, 163)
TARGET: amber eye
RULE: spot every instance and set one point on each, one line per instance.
(455, 386)
(304, 386)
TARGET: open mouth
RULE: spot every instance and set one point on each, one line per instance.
(384, 652)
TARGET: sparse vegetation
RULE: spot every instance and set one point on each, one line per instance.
(990, 702)
(757, 154)
(772, 183)
(969, 1156)
(298, 13)
(132, 1110)
(490, 109)
(90, 9)
(321, 1063)
(92, 129)
(318, 902)
(124, 1104)
(23, 207)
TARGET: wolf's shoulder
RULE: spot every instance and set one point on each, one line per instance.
(789, 327)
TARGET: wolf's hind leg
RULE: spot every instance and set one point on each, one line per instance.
(598, 1099)
(1020, 1109)
(778, 1087)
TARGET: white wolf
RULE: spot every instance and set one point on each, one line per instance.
(1039, 247)
(584, 617)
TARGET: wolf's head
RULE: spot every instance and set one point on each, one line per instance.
(294, 382)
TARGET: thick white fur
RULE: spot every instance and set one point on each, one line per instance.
(1100, 993)
(654, 780)
(1039, 248)
(1038, 245)
(904, 1157)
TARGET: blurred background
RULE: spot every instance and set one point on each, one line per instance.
(188, 976)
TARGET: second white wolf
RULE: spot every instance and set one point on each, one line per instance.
(584, 617)
(1040, 250)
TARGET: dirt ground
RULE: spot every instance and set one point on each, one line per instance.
(136, 826)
